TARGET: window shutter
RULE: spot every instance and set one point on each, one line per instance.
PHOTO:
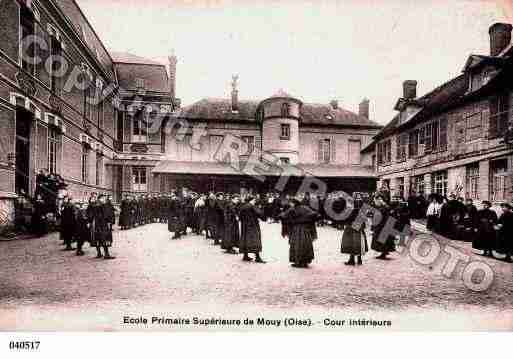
(319, 152)
(494, 109)
(427, 141)
(443, 134)
(41, 72)
(502, 123)
(333, 150)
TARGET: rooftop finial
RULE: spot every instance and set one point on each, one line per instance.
(235, 82)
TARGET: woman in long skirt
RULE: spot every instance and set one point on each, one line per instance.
(354, 240)
(299, 221)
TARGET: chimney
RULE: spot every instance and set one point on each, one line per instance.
(172, 74)
(334, 104)
(410, 89)
(363, 109)
(235, 93)
(500, 37)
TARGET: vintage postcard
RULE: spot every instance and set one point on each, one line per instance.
(273, 165)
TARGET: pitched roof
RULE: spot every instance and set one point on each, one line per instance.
(211, 168)
(219, 109)
(155, 77)
(128, 58)
(435, 101)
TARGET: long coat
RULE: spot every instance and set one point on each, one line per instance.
(39, 223)
(301, 236)
(250, 238)
(68, 222)
(354, 241)
(505, 235)
(485, 237)
(231, 235)
(377, 228)
(174, 219)
(99, 218)
(124, 216)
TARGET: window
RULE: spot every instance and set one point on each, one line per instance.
(139, 83)
(140, 128)
(99, 169)
(474, 128)
(499, 180)
(499, 115)
(434, 136)
(54, 150)
(402, 141)
(355, 146)
(28, 53)
(285, 131)
(285, 110)
(100, 103)
(56, 53)
(325, 151)
(428, 140)
(440, 183)
(215, 144)
(384, 152)
(419, 185)
(472, 181)
(89, 94)
(400, 187)
(85, 165)
(250, 142)
(413, 146)
(139, 179)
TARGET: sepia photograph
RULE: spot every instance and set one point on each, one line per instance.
(255, 166)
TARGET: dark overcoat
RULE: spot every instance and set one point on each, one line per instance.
(251, 237)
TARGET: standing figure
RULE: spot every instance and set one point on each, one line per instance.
(124, 215)
(250, 238)
(505, 235)
(39, 221)
(102, 226)
(82, 233)
(354, 240)
(485, 238)
(299, 219)
(174, 224)
(231, 235)
(377, 227)
(68, 223)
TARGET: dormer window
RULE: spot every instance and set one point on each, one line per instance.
(285, 110)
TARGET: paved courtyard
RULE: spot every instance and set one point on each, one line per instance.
(45, 288)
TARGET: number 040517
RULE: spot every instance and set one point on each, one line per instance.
(24, 345)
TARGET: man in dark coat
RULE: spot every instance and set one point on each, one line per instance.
(101, 219)
(211, 216)
(219, 219)
(378, 226)
(467, 225)
(68, 223)
(299, 219)
(82, 233)
(250, 238)
(505, 235)
(174, 223)
(124, 215)
(485, 236)
(231, 235)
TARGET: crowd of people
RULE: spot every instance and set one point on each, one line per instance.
(37, 214)
(459, 219)
(232, 221)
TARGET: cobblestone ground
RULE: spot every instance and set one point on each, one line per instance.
(45, 288)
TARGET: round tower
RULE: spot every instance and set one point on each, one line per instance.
(280, 115)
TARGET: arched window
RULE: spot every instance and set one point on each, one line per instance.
(285, 110)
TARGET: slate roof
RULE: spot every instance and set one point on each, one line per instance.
(155, 76)
(436, 101)
(219, 109)
(211, 168)
(128, 58)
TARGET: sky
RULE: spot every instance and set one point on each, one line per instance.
(316, 51)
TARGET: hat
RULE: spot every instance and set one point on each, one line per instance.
(506, 205)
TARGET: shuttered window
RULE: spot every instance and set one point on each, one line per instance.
(355, 147)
